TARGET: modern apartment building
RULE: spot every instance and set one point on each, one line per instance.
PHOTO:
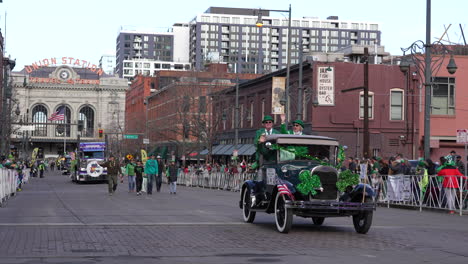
(140, 52)
(230, 35)
(107, 63)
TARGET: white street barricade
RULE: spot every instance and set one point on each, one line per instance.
(8, 184)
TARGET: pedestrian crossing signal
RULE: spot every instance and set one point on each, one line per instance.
(101, 133)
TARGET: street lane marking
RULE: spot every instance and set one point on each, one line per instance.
(127, 223)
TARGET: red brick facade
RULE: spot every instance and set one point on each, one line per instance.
(340, 121)
(178, 98)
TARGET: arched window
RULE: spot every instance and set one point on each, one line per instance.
(39, 119)
(87, 116)
(63, 128)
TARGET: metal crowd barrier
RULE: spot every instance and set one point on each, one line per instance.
(214, 180)
(8, 184)
(418, 191)
(422, 192)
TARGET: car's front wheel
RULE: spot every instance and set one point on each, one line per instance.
(247, 213)
(318, 221)
(362, 222)
(283, 215)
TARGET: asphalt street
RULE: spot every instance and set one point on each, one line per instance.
(56, 221)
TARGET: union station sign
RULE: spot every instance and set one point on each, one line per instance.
(70, 61)
(64, 73)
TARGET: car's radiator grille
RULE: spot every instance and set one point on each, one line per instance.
(328, 180)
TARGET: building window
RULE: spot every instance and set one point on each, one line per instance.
(202, 104)
(361, 105)
(443, 96)
(63, 127)
(396, 104)
(39, 115)
(186, 104)
(87, 116)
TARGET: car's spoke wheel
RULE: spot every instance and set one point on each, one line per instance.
(283, 215)
(362, 222)
(247, 213)
(318, 221)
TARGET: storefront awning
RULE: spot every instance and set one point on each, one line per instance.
(227, 150)
(204, 152)
(247, 150)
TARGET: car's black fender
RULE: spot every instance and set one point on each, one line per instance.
(249, 185)
(271, 205)
(356, 194)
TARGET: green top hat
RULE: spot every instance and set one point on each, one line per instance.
(299, 122)
(267, 118)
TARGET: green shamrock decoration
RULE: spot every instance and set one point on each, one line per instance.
(308, 183)
(345, 179)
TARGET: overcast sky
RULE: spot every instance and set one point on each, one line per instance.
(87, 29)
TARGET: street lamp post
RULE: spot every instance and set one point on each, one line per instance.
(288, 65)
(430, 66)
(236, 116)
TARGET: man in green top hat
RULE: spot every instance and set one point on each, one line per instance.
(261, 134)
(298, 126)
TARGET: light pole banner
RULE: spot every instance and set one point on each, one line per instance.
(277, 93)
(462, 135)
(326, 86)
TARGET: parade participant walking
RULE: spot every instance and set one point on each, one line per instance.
(173, 171)
(139, 176)
(113, 169)
(161, 170)
(41, 168)
(130, 171)
(298, 126)
(151, 170)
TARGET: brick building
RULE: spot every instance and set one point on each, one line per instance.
(178, 109)
(449, 110)
(393, 107)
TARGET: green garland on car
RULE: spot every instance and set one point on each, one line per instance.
(309, 183)
(346, 178)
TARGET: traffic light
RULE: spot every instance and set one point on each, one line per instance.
(101, 133)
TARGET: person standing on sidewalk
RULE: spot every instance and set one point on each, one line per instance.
(113, 169)
(450, 184)
(161, 170)
(173, 171)
(151, 170)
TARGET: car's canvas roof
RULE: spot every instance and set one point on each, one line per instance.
(303, 139)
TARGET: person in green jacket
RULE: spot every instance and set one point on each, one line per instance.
(41, 168)
(151, 170)
(298, 126)
(130, 171)
(260, 139)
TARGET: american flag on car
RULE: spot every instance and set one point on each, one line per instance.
(284, 189)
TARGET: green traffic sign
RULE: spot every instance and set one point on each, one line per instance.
(131, 136)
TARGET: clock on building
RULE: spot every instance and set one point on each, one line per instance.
(64, 74)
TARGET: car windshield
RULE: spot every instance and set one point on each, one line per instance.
(93, 155)
(319, 153)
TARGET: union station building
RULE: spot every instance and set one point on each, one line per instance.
(94, 108)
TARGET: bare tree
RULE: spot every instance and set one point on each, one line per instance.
(187, 119)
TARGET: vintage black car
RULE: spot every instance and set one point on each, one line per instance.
(297, 177)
